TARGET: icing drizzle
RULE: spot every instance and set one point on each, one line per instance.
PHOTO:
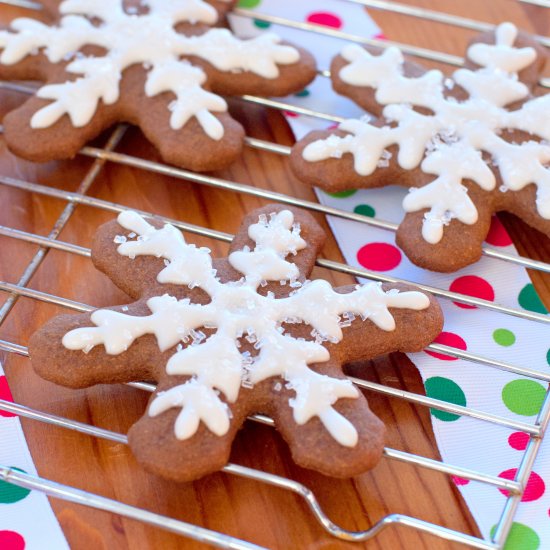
(148, 39)
(236, 310)
(449, 142)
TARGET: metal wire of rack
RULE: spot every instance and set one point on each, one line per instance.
(101, 156)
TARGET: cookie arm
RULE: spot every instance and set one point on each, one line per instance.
(136, 276)
(313, 446)
(62, 139)
(156, 446)
(291, 77)
(80, 368)
(336, 171)
(310, 231)
(460, 245)
(364, 96)
(414, 330)
(530, 74)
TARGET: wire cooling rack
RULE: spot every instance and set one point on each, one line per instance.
(535, 430)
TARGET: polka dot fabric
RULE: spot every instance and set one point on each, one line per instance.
(26, 518)
(326, 19)
(12, 540)
(379, 256)
(5, 394)
(462, 440)
(474, 286)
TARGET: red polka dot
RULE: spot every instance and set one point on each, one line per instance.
(10, 540)
(498, 236)
(448, 339)
(535, 486)
(379, 256)
(326, 19)
(460, 480)
(5, 394)
(472, 285)
(290, 114)
(518, 441)
(380, 36)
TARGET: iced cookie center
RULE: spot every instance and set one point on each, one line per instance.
(142, 39)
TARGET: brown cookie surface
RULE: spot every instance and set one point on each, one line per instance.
(466, 146)
(163, 67)
(233, 336)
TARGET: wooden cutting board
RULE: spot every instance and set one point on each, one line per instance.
(243, 508)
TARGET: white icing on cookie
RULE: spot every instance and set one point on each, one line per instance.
(237, 310)
(449, 142)
(502, 55)
(129, 39)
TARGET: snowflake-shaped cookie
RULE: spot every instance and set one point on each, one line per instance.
(229, 337)
(467, 146)
(153, 63)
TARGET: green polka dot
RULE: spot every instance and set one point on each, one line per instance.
(11, 493)
(262, 24)
(529, 299)
(504, 337)
(548, 356)
(343, 194)
(249, 3)
(523, 397)
(365, 210)
(521, 537)
(445, 390)
(304, 93)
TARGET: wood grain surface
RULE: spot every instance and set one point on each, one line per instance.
(255, 512)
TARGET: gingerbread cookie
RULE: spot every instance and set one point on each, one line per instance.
(233, 336)
(466, 146)
(155, 64)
